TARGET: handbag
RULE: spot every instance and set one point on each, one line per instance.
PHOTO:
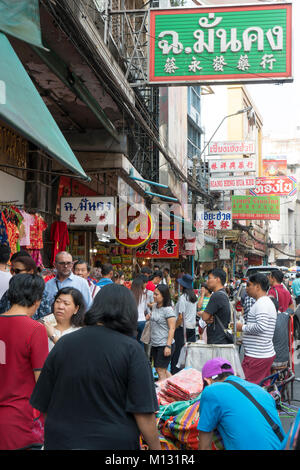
(272, 423)
(146, 335)
(229, 336)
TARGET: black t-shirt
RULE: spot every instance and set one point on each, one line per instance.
(92, 382)
(218, 305)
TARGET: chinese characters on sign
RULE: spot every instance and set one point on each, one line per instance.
(276, 186)
(160, 248)
(231, 148)
(231, 183)
(225, 165)
(88, 210)
(228, 43)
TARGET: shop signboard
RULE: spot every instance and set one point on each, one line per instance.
(256, 208)
(214, 220)
(275, 186)
(234, 165)
(220, 44)
(274, 167)
(88, 211)
(232, 148)
(224, 254)
(161, 247)
(231, 183)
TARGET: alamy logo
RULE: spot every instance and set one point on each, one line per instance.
(2, 92)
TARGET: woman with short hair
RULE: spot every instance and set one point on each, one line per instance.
(23, 350)
(25, 265)
(163, 320)
(68, 314)
(105, 398)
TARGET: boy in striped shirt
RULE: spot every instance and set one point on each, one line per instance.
(258, 331)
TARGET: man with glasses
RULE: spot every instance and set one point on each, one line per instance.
(65, 278)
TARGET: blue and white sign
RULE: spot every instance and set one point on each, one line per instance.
(88, 210)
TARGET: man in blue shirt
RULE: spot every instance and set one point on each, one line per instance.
(107, 274)
(296, 288)
(225, 408)
(65, 278)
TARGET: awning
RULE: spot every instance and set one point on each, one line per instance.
(22, 108)
(21, 19)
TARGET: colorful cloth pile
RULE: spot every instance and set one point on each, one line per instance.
(177, 427)
(184, 386)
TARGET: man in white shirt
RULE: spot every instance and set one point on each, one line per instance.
(259, 330)
(5, 275)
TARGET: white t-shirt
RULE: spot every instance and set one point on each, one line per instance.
(259, 329)
(142, 307)
(5, 277)
(188, 309)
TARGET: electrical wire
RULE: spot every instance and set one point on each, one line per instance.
(120, 98)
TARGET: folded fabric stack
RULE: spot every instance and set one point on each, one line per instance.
(184, 386)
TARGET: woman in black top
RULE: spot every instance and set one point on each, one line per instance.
(96, 387)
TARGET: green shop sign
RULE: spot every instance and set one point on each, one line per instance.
(255, 207)
(249, 43)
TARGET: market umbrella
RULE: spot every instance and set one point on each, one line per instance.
(294, 269)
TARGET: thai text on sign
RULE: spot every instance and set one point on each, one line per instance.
(276, 185)
(88, 210)
(214, 220)
(256, 208)
(231, 148)
(225, 43)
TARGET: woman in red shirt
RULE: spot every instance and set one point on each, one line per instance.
(23, 350)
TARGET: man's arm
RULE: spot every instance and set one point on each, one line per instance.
(207, 317)
(205, 440)
(147, 425)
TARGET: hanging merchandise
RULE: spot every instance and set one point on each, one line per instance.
(36, 238)
(13, 220)
(59, 235)
(27, 222)
(3, 231)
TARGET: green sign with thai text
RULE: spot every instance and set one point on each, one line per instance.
(255, 207)
(249, 43)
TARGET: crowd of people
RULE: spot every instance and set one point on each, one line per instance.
(77, 354)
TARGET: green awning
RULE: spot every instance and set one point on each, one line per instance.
(21, 19)
(22, 108)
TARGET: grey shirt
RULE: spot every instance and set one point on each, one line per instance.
(159, 325)
(188, 310)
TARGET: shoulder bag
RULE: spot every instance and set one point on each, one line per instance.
(228, 334)
(146, 335)
(272, 423)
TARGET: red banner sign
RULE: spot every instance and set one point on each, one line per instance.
(160, 247)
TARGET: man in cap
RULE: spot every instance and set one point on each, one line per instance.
(223, 406)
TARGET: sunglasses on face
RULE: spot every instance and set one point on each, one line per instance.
(62, 263)
(17, 271)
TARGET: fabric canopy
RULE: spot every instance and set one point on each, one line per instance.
(21, 19)
(22, 108)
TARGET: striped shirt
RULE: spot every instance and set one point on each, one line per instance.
(259, 329)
